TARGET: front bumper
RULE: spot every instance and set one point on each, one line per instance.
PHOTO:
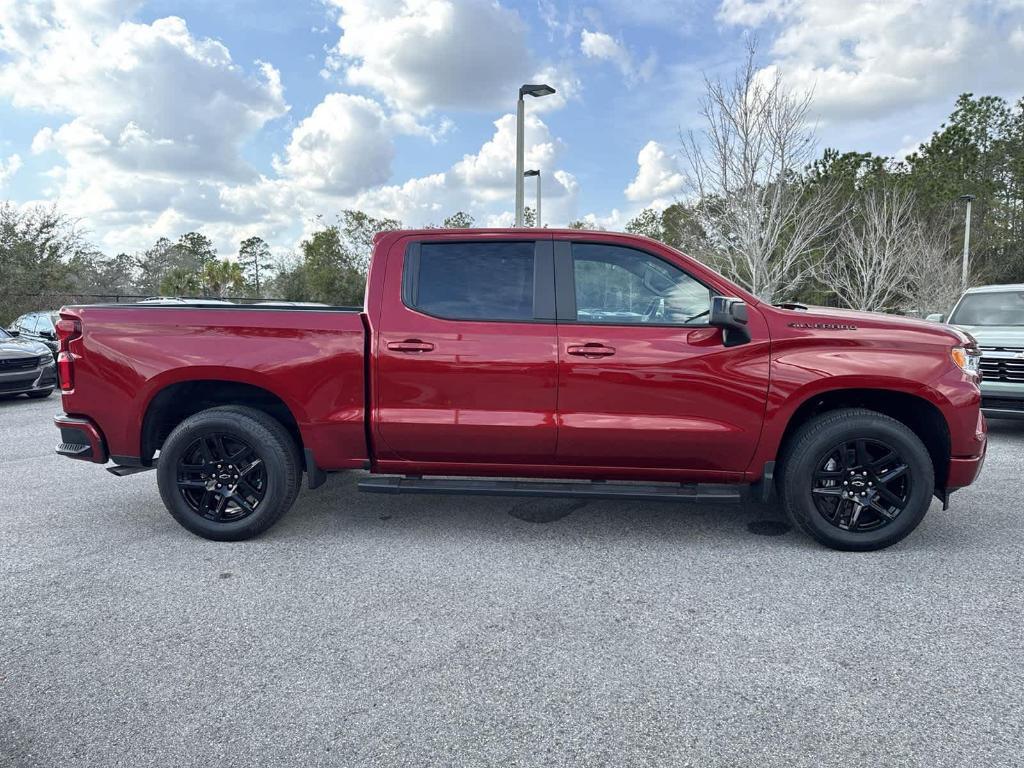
(964, 470)
(36, 379)
(1002, 399)
(80, 439)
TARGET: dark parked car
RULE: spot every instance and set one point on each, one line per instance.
(26, 366)
(38, 326)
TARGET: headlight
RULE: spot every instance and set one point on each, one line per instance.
(967, 359)
(45, 359)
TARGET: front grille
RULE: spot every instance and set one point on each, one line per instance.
(1002, 364)
(18, 364)
(1002, 404)
(11, 386)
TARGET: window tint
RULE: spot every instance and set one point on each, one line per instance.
(472, 281)
(626, 286)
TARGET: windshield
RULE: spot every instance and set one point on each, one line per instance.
(1003, 308)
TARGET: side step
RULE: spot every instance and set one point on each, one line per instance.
(695, 492)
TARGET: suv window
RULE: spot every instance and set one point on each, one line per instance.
(471, 281)
(624, 286)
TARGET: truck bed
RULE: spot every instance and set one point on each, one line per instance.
(309, 358)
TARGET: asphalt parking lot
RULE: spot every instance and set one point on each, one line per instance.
(369, 630)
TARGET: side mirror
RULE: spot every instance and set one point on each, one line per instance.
(731, 316)
(14, 332)
(935, 317)
(48, 335)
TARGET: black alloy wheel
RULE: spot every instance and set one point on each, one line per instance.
(861, 485)
(855, 479)
(221, 477)
(229, 473)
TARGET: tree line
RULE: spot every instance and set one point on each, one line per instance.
(842, 228)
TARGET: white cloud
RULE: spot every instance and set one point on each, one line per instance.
(1017, 38)
(600, 45)
(155, 118)
(425, 54)
(9, 167)
(344, 146)
(866, 60)
(657, 180)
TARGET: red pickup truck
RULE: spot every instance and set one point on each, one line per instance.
(532, 363)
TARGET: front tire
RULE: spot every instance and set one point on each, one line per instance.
(229, 473)
(856, 480)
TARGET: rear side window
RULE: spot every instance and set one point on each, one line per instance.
(471, 281)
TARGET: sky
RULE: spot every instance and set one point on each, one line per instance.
(261, 117)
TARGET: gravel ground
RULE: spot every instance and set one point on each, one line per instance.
(376, 630)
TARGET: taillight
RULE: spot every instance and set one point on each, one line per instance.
(68, 329)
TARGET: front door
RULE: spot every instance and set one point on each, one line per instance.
(643, 380)
(466, 357)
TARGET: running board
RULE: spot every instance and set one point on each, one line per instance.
(695, 492)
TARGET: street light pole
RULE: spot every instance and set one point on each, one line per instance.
(965, 265)
(535, 90)
(537, 221)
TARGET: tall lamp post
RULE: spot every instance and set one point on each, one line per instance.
(537, 221)
(535, 90)
(964, 267)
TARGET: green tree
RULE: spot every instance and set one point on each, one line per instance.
(220, 277)
(332, 272)
(179, 281)
(459, 220)
(254, 258)
(37, 245)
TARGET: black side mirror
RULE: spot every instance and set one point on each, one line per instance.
(48, 335)
(14, 332)
(731, 316)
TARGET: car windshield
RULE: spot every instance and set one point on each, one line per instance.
(996, 308)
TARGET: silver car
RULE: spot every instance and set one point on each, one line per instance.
(26, 366)
(994, 315)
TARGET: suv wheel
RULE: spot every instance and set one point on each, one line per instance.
(856, 479)
(229, 473)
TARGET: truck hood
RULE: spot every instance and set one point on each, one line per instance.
(882, 320)
(996, 335)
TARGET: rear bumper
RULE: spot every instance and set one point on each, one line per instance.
(80, 439)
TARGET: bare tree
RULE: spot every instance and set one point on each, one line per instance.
(877, 255)
(936, 276)
(762, 221)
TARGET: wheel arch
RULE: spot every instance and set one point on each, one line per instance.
(176, 401)
(920, 415)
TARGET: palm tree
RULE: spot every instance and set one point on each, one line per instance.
(221, 275)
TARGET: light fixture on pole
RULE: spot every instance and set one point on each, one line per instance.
(537, 221)
(535, 90)
(964, 267)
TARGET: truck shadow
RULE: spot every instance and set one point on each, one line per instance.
(339, 508)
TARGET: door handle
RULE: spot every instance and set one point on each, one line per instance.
(410, 345)
(590, 349)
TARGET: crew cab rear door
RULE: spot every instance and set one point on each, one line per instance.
(644, 381)
(466, 357)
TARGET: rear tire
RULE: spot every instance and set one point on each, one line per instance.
(229, 473)
(856, 480)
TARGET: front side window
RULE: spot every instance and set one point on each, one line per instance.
(624, 286)
(471, 281)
